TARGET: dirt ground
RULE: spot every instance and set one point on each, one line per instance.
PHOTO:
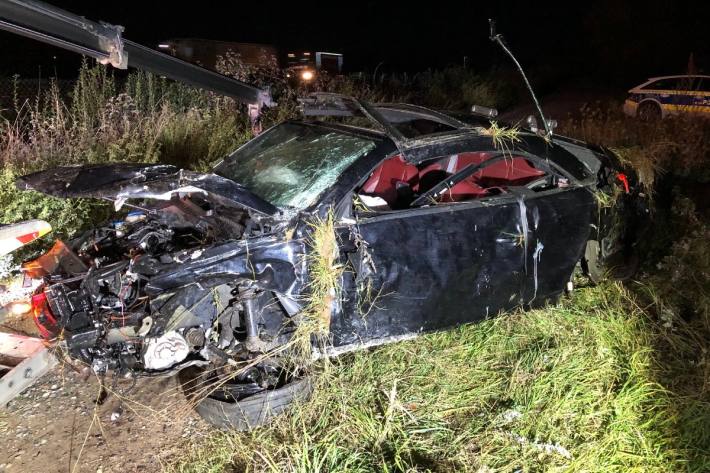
(56, 426)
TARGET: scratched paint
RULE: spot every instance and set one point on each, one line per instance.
(536, 260)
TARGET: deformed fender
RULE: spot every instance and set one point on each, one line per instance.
(273, 264)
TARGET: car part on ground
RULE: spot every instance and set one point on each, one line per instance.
(23, 361)
(13, 237)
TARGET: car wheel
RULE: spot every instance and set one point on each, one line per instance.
(247, 411)
(649, 111)
(618, 266)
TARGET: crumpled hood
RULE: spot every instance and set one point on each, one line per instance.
(119, 182)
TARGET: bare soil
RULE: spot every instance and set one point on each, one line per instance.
(57, 425)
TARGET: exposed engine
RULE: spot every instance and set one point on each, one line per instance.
(168, 285)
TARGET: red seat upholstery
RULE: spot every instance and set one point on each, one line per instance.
(383, 180)
(462, 191)
(510, 171)
(454, 163)
(513, 171)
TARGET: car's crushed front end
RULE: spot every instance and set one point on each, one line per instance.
(194, 270)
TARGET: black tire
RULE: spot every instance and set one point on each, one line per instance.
(619, 267)
(252, 411)
(649, 111)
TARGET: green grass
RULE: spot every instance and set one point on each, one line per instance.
(578, 386)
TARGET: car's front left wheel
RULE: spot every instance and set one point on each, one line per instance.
(241, 404)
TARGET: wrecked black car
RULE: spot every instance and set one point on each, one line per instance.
(323, 235)
(360, 224)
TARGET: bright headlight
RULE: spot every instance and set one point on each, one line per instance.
(19, 308)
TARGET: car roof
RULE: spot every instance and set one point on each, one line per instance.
(636, 88)
(680, 76)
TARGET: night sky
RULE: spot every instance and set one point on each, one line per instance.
(604, 41)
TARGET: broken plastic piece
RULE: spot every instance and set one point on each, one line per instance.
(624, 180)
(15, 236)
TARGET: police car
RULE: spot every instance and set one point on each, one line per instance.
(660, 97)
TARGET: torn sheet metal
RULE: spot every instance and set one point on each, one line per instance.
(272, 265)
(120, 182)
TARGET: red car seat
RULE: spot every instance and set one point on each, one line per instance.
(384, 180)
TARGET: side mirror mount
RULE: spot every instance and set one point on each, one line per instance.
(531, 122)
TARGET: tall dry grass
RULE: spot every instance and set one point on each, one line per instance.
(143, 118)
(678, 145)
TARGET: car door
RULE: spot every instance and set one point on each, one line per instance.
(701, 99)
(430, 268)
(559, 222)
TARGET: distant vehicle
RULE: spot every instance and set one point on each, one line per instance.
(660, 97)
(301, 66)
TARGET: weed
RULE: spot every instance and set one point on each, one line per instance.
(503, 138)
(324, 273)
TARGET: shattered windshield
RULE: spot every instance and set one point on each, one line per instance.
(293, 163)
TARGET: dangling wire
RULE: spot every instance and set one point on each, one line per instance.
(498, 38)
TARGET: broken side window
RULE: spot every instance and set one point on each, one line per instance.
(396, 184)
(492, 179)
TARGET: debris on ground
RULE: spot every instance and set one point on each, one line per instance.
(56, 426)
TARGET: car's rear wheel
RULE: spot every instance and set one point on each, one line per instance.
(620, 266)
(241, 404)
(649, 111)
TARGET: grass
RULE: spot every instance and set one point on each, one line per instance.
(503, 138)
(322, 288)
(573, 387)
